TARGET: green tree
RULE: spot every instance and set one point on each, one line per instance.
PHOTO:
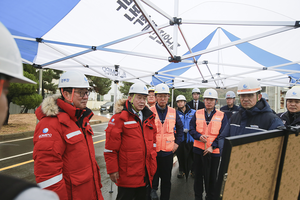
(48, 76)
(125, 88)
(24, 95)
(187, 92)
(100, 85)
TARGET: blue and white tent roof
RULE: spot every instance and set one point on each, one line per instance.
(218, 42)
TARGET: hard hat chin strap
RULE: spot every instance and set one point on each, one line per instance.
(70, 100)
(133, 105)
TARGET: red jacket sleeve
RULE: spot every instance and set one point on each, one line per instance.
(48, 149)
(112, 144)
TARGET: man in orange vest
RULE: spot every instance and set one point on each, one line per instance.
(205, 127)
(166, 120)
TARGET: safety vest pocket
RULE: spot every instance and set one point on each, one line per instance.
(169, 142)
(170, 126)
(134, 166)
(215, 128)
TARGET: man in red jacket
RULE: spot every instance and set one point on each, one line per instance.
(130, 153)
(64, 154)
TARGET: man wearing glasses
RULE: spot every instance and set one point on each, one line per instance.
(167, 141)
(255, 114)
(64, 154)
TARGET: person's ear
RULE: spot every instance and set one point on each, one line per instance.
(67, 95)
(259, 96)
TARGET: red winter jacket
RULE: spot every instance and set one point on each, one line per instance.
(129, 147)
(64, 155)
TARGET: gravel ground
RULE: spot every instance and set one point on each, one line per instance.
(19, 123)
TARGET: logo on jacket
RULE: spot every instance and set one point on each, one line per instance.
(45, 130)
(112, 121)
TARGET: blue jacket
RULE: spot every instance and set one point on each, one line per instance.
(257, 119)
(196, 135)
(186, 118)
(290, 119)
(230, 111)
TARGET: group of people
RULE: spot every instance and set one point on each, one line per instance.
(141, 139)
(194, 125)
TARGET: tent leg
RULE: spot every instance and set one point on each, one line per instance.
(172, 98)
(115, 95)
(111, 191)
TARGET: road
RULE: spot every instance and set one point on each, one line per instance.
(16, 160)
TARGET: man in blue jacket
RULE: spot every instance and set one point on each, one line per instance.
(184, 152)
(230, 108)
(255, 114)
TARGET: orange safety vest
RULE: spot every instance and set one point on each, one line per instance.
(211, 130)
(165, 132)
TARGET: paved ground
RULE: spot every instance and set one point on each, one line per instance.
(16, 160)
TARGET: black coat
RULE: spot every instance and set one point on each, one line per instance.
(200, 104)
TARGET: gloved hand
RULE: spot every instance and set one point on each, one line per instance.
(186, 130)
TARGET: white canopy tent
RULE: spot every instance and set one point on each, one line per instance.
(209, 43)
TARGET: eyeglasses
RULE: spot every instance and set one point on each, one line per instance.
(83, 93)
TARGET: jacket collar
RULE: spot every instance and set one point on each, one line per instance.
(128, 108)
(260, 107)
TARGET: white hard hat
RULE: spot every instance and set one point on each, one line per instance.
(230, 95)
(138, 88)
(180, 98)
(162, 89)
(151, 89)
(196, 90)
(248, 85)
(293, 93)
(73, 79)
(265, 96)
(10, 58)
(211, 94)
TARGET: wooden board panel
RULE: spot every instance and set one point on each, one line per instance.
(253, 169)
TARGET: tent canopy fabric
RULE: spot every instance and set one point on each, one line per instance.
(209, 43)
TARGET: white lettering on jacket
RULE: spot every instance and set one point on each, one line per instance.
(45, 135)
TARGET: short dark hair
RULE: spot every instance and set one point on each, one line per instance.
(69, 90)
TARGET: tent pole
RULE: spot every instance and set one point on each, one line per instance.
(40, 81)
(172, 97)
(40, 86)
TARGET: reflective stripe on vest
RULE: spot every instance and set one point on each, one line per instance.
(51, 181)
(165, 132)
(211, 130)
